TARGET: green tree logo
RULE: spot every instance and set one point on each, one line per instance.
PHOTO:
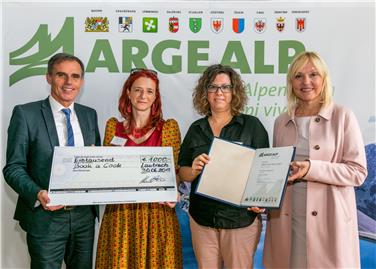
(36, 64)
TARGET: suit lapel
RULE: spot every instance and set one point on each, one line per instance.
(83, 122)
(50, 123)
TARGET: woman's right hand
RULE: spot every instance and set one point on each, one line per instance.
(198, 164)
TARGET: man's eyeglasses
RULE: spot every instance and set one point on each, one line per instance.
(136, 70)
(224, 88)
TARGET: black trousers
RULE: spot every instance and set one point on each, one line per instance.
(69, 237)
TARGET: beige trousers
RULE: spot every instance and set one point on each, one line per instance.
(225, 248)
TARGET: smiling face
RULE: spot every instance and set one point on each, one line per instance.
(220, 101)
(142, 94)
(66, 81)
(307, 84)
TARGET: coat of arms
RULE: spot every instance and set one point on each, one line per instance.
(300, 24)
(125, 24)
(195, 24)
(173, 24)
(280, 24)
(238, 25)
(96, 24)
(217, 25)
(260, 25)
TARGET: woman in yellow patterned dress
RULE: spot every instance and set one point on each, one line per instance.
(143, 235)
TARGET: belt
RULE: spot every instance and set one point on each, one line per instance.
(68, 207)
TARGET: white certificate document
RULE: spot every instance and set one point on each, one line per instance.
(110, 175)
(243, 176)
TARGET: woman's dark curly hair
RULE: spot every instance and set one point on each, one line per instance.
(200, 94)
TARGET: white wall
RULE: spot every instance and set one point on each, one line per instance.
(356, 89)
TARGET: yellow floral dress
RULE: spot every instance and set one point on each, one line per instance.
(143, 235)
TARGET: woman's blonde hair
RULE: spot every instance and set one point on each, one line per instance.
(299, 61)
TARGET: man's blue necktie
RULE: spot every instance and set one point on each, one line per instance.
(67, 113)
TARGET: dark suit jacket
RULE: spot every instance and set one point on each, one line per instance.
(32, 136)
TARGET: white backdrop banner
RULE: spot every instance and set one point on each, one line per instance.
(180, 39)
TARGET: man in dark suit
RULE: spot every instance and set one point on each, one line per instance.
(54, 233)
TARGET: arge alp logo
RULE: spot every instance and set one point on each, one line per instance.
(36, 64)
(268, 154)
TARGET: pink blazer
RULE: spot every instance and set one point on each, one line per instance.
(338, 163)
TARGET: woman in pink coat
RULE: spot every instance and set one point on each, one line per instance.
(317, 224)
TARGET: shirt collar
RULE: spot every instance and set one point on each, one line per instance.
(235, 119)
(325, 113)
(239, 119)
(56, 106)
